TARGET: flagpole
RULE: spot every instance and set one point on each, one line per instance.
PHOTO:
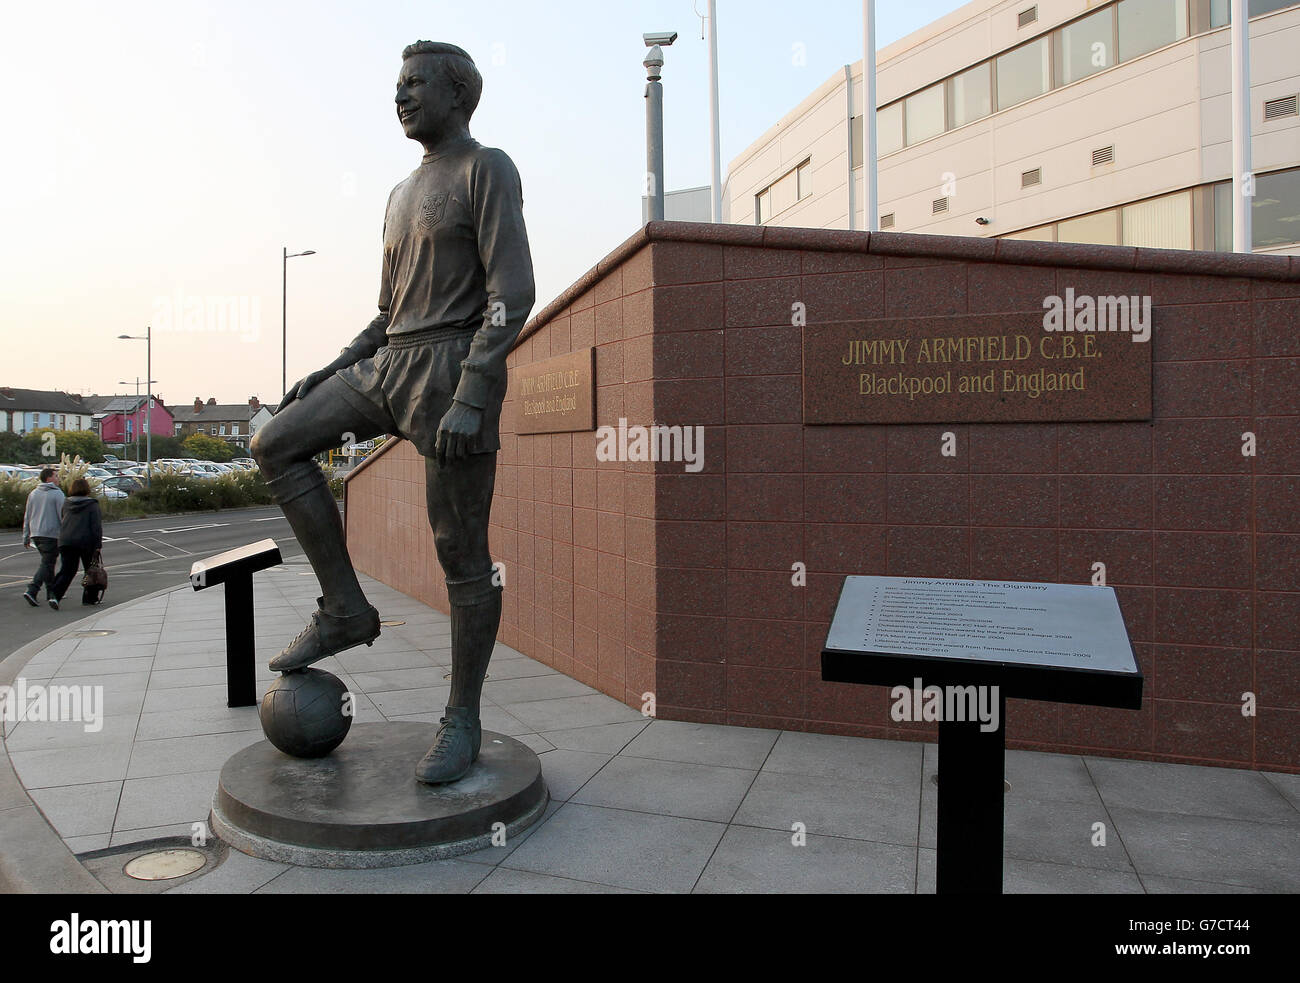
(715, 147)
(1242, 180)
(872, 203)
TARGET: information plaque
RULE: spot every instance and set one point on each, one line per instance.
(961, 648)
(556, 395)
(1061, 642)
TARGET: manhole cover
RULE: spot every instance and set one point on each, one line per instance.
(392, 624)
(163, 865)
(93, 633)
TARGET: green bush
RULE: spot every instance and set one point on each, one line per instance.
(30, 448)
(205, 448)
(13, 500)
(170, 492)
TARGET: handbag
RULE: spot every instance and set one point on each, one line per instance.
(96, 577)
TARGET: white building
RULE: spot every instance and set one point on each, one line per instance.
(1066, 120)
(25, 410)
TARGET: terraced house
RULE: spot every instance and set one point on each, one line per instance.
(232, 422)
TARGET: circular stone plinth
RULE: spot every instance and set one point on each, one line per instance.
(361, 807)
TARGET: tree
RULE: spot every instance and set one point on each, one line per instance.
(206, 448)
(11, 447)
(47, 446)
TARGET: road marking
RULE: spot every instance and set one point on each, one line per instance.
(208, 525)
(142, 546)
(269, 518)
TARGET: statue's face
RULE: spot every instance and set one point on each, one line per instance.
(427, 103)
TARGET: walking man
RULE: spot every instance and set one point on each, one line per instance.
(456, 288)
(41, 530)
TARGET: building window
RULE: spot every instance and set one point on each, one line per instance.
(1221, 10)
(804, 178)
(1023, 73)
(970, 96)
(889, 129)
(1223, 217)
(1044, 233)
(1100, 229)
(784, 192)
(223, 430)
(1085, 47)
(1145, 25)
(234, 430)
(1161, 223)
(1275, 209)
(924, 114)
(176, 430)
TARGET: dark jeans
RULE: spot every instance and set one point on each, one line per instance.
(48, 547)
(69, 557)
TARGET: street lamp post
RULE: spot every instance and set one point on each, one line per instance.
(122, 382)
(284, 314)
(148, 415)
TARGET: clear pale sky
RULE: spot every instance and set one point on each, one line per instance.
(157, 153)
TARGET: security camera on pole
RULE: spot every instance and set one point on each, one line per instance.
(654, 120)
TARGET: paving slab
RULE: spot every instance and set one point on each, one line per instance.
(762, 861)
(704, 744)
(657, 854)
(1209, 848)
(506, 881)
(668, 788)
(827, 806)
(1192, 790)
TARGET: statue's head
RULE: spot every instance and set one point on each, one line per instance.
(437, 91)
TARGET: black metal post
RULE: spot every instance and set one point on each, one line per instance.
(241, 689)
(969, 855)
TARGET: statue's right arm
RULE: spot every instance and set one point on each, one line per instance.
(364, 345)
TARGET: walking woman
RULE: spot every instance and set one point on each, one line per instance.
(81, 534)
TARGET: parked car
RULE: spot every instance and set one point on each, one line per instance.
(101, 488)
(127, 484)
(13, 471)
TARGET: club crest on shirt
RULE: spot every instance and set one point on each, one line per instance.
(432, 209)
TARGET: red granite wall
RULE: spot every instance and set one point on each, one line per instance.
(644, 578)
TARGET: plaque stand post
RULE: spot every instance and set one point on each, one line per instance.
(969, 838)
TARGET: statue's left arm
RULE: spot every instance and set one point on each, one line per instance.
(507, 262)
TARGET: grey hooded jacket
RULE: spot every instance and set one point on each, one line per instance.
(44, 509)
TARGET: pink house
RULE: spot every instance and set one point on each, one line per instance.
(121, 418)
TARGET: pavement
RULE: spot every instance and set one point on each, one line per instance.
(638, 805)
(142, 556)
